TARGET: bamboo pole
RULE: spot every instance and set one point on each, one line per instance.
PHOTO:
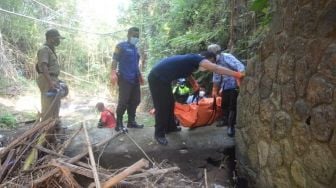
(92, 160)
(32, 157)
(205, 178)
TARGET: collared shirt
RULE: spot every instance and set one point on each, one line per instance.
(107, 118)
(229, 61)
(46, 55)
(128, 61)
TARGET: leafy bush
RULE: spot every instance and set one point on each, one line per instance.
(7, 120)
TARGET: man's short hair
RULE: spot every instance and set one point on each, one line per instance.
(133, 29)
(208, 54)
(100, 105)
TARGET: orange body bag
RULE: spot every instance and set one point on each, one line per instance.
(202, 113)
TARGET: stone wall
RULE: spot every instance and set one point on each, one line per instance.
(286, 130)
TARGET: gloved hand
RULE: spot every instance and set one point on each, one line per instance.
(195, 87)
(214, 92)
(141, 80)
(239, 77)
(114, 77)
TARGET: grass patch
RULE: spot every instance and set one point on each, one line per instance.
(7, 120)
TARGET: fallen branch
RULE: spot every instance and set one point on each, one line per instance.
(71, 160)
(128, 171)
(42, 125)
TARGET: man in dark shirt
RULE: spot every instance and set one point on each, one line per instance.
(128, 76)
(172, 68)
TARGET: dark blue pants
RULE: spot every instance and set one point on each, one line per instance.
(129, 99)
(229, 105)
(163, 101)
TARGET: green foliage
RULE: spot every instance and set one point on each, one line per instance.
(262, 8)
(8, 120)
(259, 5)
(80, 55)
(178, 26)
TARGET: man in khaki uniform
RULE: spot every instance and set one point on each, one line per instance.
(47, 80)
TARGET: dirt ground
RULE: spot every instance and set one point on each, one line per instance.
(219, 165)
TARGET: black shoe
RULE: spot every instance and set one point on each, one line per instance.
(231, 131)
(174, 129)
(135, 125)
(161, 140)
(121, 128)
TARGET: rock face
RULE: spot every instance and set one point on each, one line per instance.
(286, 127)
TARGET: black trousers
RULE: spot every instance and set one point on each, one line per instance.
(163, 101)
(128, 99)
(229, 105)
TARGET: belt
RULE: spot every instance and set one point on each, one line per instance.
(51, 74)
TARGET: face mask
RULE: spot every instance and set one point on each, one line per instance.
(201, 93)
(134, 40)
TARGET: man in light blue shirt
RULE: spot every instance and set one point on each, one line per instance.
(228, 86)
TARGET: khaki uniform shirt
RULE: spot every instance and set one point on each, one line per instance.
(46, 55)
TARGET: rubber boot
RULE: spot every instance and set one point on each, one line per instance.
(120, 126)
(134, 124)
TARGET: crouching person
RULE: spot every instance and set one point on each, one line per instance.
(107, 118)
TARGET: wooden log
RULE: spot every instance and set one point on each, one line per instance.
(152, 172)
(5, 166)
(22, 138)
(92, 160)
(128, 171)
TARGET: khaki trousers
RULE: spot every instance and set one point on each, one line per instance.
(50, 105)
